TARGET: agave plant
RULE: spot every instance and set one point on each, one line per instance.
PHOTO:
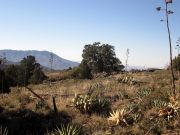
(67, 130)
(118, 116)
(129, 80)
(158, 103)
(90, 104)
(83, 102)
(3, 131)
(171, 109)
(143, 93)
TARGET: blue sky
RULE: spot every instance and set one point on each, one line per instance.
(65, 26)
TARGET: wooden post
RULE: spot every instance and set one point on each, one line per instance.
(54, 105)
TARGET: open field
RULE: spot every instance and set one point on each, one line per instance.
(21, 111)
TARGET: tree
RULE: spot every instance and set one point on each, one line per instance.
(176, 63)
(29, 71)
(38, 75)
(4, 86)
(101, 58)
(12, 74)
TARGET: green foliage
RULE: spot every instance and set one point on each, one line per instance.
(38, 75)
(12, 74)
(4, 85)
(67, 130)
(128, 80)
(29, 71)
(3, 131)
(159, 103)
(101, 58)
(40, 104)
(176, 63)
(92, 104)
(82, 72)
(143, 93)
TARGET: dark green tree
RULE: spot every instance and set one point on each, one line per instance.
(101, 58)
(29, 71)
(4, 85)
(176, 63)
(12, 74)
(38, 75)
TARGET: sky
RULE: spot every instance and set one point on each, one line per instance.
(65, 26)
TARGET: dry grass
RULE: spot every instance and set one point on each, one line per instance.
(120, 95)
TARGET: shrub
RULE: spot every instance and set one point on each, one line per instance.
(143, 93)
(3, 131)
(67, 130)
(128, 80)
(82, 72)
(89, 104)
(4, 85)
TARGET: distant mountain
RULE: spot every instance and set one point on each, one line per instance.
(42, 57)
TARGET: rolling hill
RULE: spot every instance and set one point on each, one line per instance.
(42, 57)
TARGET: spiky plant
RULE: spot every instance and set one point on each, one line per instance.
(158, 103)
(129, 80)
(171, 109)
(83, 102)
(118, 116)
(91, 104)
(3, 131)
(101, 106)
(143, 93)
(67, 130)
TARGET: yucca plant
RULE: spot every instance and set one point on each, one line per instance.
(136, 117)
(83, 102)
(118, 116)
(143, 93)
(171, 109)
(3, 131)
(91, 104)
(40, 104)
(129, 80)
(158, 103)
(67, 130)
(101, 105)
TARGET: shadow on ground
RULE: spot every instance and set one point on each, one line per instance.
(27, 122)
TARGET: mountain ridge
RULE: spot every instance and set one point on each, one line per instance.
(42, 57)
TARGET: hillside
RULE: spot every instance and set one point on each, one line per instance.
(42, 57)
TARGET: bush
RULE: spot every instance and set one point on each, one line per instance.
(67, 130)
(37, 76)
(82, 72)
(27, 72)
(89, 104)
(4, 85)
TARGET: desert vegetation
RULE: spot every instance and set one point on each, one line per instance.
(94, 98)
(100, 96)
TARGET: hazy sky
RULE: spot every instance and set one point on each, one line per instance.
(65, 26)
